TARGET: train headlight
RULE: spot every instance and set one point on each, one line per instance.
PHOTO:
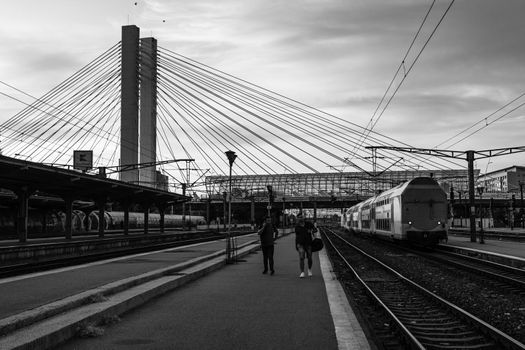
(439, 222)
(410, 223)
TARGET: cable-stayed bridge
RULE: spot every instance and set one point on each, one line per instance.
(160, 118)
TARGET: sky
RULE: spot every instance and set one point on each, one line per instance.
(336, 55)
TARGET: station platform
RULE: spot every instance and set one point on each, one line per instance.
(507, 231)
(516, 249)
(231, 307)
(503, 252)
(238, 307)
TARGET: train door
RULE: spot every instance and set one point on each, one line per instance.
(396, 218)
(373, 218)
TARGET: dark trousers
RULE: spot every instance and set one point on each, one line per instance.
(268, 256)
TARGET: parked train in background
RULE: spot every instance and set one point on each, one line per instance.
(414, 211)
(82, 222)
(114, 220)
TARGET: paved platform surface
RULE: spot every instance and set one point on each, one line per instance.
(510, 248)
(237, 307)
(18, 294)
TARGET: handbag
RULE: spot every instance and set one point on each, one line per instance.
(317, 244)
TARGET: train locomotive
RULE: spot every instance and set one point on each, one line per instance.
(414, 211)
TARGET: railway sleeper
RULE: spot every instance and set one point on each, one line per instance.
(442, 334)
(435, 319)
(487, 346)
(431, 325)
(413, 309)
(459, 343)
(460, 340)
(436, 315)
(409, 321)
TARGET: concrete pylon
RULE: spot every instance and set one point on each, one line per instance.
(138, 81)
(148, 110)
(129, 118)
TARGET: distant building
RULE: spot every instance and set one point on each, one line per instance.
(162, 181)
(504, 180)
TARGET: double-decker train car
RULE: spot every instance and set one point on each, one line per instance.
(115, 220)
(414, 211)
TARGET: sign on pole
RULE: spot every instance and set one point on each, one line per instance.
(82, 160)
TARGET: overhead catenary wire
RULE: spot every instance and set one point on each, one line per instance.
(483, 120)
(401, 65)
(407, 71)
(321, 122)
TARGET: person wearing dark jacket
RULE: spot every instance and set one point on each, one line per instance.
(303, 244)
(268, 233)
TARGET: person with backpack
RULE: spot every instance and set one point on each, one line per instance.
(303, 244)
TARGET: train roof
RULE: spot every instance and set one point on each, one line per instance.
(399, 189)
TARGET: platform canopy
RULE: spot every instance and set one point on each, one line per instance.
(36, 178)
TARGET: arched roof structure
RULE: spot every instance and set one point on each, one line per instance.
(355, 185)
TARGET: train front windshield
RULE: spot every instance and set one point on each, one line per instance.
(425, 212)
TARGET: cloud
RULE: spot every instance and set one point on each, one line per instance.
(338, 56)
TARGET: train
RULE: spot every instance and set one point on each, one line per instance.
(115, 220)
(82, 222)
(415, 211)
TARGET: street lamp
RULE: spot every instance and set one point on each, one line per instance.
(480, 191)
(521, 183)
(270, 198)
(229, 246)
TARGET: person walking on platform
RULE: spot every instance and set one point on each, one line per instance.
(303, 244)
(268, 234)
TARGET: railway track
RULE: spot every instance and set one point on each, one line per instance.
(412, 316)
(501, 276)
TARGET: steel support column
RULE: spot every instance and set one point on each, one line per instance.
(22, 213)
(252, 213)
(208, 213)
(126, 206)
(69, 216)
(472, 214)
(101, 203)
(146, 218)
(162, 212)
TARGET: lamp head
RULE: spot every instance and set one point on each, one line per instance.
(231, 156)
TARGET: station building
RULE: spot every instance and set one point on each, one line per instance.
(507, 180)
